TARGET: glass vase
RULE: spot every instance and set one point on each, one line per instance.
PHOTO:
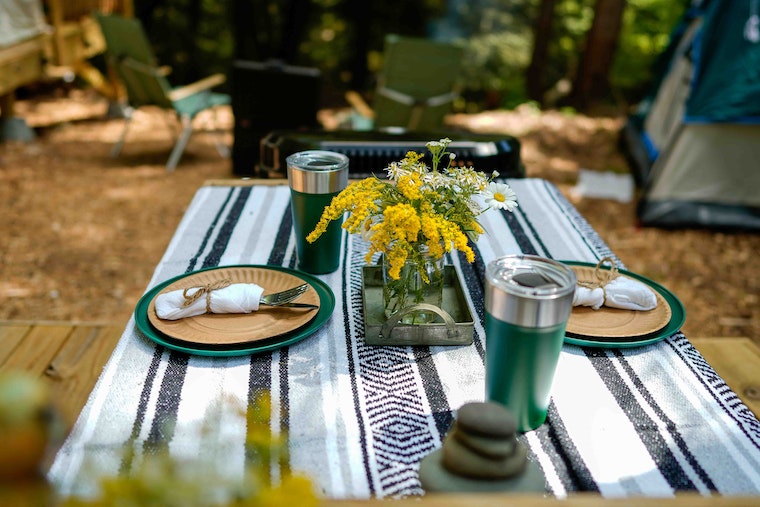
(420, 281)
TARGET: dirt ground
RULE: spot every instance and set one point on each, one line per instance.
(82, 232)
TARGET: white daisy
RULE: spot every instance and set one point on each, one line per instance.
(395, 171)
(500, 196)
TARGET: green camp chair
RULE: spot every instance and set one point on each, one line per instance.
(416, 85)
(130, 54)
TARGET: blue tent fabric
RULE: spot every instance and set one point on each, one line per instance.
(726, 84)
(694, 141)
(664, 59)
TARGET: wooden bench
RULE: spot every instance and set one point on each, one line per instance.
(68, 356)
(737, 360)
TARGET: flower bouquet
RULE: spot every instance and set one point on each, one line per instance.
(414, 217)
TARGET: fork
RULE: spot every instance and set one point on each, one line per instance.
(284, 297)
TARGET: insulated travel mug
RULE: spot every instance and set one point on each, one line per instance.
(528, 301)
(315, 177)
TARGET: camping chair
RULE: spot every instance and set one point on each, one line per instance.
(416, 85)
(130, 54)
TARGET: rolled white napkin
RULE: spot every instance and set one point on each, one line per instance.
(621, 292)
(234, 298)
(585, 296)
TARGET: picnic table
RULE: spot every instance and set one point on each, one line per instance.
(651, 420)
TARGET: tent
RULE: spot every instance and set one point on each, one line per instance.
(694, 142)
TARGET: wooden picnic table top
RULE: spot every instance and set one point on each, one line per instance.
(69, 356)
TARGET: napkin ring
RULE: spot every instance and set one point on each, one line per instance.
(204, 289)
(603, 276)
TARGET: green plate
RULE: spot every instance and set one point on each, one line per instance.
(326, 307)
(677, 318)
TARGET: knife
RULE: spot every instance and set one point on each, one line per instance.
(299, 305)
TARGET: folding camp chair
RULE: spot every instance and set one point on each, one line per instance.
(416, 85)
(130, 54)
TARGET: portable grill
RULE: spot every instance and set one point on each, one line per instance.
(371, 152)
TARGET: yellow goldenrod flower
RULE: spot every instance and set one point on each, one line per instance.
(418, 206)
(409, 185)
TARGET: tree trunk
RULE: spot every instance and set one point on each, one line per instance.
(358, 14)
(542, 31)
(297, 14)
(245, 43)
(194, 11)
(592, 80)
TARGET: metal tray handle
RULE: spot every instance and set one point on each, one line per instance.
(387, 329)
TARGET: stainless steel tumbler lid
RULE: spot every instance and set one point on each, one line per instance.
(317, 171)
(529, 291)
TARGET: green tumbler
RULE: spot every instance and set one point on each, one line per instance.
(528, 301)
(315, 177)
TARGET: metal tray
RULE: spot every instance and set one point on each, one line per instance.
(456, 328)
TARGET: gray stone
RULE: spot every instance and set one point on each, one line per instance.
(486, 446)
(488, 419)
(461, 460)
(436, 479)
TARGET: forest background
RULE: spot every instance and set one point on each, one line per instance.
(575, 53)
(558, 75)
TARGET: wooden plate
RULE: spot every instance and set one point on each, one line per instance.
(234, 329)
(614, 322)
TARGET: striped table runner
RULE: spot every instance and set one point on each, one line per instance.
(642, 421)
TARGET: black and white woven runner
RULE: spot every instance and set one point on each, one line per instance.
(644, 421)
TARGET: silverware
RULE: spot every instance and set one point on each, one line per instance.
(299, 305)
(284, 297)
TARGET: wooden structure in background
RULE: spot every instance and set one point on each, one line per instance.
(74, 37)
(20, 64)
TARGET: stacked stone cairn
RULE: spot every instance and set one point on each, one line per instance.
(481, 453)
